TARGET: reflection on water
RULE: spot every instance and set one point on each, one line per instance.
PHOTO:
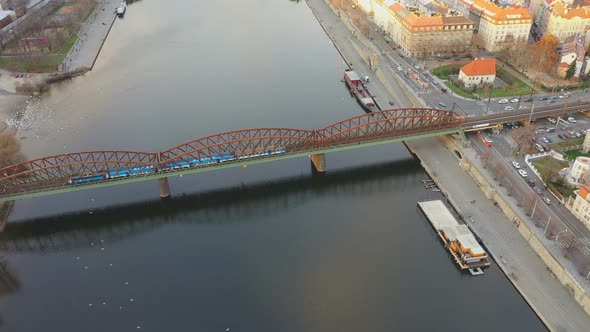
(69, 231)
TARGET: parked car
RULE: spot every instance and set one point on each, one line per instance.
(552, 120)
(522, 107)
(578, 134)
(441, 104)
(583, 131)
(400, 68)
(571, 119)
(550, 129)
(522, 173)
(528, 100)
(539, 148)
(531, 183)
(543, 98)
(538, 191)
(444, 90)
(503, 101)
(509, 108)
(516, 164)
(545, 139)
(515, 100)
(547, 200)
(562, 136)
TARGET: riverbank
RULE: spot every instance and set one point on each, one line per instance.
(528, 273)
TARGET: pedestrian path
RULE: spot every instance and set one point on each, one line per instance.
(552, 302)
(91, 36)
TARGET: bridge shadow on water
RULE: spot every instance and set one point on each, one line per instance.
(234, 204)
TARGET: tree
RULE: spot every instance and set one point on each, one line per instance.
(9, 150)
(522, 137)
(544, 53)
(571, 70)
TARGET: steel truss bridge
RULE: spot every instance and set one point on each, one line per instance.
(53, 174)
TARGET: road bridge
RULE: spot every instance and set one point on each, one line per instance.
(93, 169)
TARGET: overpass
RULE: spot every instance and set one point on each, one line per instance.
(93, 169)
(479, 122)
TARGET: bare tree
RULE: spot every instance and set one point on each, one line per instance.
(523, 137)
(9, 149)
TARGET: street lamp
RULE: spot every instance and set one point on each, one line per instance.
(557, 236)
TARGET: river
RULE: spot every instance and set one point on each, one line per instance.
(264, 248)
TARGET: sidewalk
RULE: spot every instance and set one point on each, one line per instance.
(525, 269)
(91, 37)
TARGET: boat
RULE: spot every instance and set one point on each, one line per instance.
(122, 9)
(359, 90)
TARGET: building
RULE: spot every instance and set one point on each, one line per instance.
(6, 17)
(562, 21)
(580, 166)
(499, 26)
(573, 52)
(581, 206)
(478, 72)
(381, 13)
(419, 34)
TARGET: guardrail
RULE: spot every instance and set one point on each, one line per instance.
(82, 35)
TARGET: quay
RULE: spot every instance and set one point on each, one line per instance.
(457, 238)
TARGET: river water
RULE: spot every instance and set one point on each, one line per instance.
(264, 248)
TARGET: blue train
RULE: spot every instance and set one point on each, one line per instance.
(140, 170)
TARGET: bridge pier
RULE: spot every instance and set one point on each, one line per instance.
(164, 187)
(318, 162)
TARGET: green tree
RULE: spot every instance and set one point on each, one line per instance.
(571, 70)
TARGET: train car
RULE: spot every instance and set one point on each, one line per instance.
(123, 172)
(87, 177)
(484, 138)
(141, 170)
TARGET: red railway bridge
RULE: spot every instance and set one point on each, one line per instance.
(93, 169)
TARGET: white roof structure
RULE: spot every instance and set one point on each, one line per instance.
(468, 241)
(438, 214)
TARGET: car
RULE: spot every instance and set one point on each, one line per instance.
(503, 101)
(554, 97)
(444, 90)
(543, 98)
(441, 104)
(561, 97)
(522, 173)
(545, 139)
(400, 68)
(435, 82)
(571, 119)
(578, 134)
(522, 107)
(540, 131)
(562, 136)
(391, 103)
(531, 183)
(527, 100)
(538, 191)
(547, 200)
(549, 140)
(515, 100)
(509, 108)
(583, 131)
(552, 120)
(550, 129)
(516, 164)
(539, 148)
(417, 67)
(551, 101)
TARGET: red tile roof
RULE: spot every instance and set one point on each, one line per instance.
(584, 191)
(480, 67)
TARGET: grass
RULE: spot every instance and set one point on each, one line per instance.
(549, 165)
(443, 72)
(41, 64)
(566, 143)
(576, 153)
(515, 87)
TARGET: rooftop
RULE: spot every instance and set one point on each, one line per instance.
(558, 8)
(497, 13)
(480, 67)
(584, 191)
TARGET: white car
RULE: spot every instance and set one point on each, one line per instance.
(509, 108)
(515, 100)
(561, 97)
(571, 119)
(400, 68)
(522, 107)
(547, 200)
(503, 101)
(516, 165)
(552, 120)
(522, 173)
